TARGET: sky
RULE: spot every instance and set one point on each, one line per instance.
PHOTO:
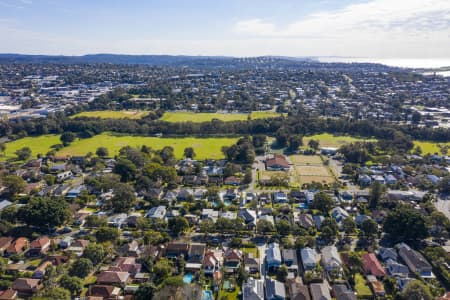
(382, 29)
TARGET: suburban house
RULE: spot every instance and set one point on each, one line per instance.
(396, 269)
(26, 286)
(309, 258)
(415, 261)
(211, 263)
(297, 290)
(343, 292)
(157, 212)
(39, 246)
(280, 197)
(273, 256)
(232, 259)
(372, 266)
(17, 247)
(209, 214)
(195, 256)
(251, 264)
(319, 291)
(253, 289)
(275, 290)
(290, 260)
(5, 242)
(388, 253)
(331, 260)
(175, 250)
(113, 278)
(108, 292)
(305, 221)
(277, 163)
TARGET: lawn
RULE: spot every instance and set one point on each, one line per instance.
(329, 140)
(113, 114)
(181, 116)
(430, 147)
(38, 145)
(253, 251)
(203, 147)
(361, 287)
(306, 160)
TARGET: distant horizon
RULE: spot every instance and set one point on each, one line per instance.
(419, 63)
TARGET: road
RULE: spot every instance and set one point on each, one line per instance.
(262, 259)
(443, 206)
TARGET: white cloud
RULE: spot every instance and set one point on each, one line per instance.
(378, 27)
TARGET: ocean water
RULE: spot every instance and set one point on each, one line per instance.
(394, 62)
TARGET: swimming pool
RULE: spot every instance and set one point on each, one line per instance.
(187, 278)
(207, 295)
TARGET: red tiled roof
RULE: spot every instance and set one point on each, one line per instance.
(277, 160)
(372, 265)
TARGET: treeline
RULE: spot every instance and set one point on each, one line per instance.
(293, 125)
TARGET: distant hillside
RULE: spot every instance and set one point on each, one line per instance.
(188, 61)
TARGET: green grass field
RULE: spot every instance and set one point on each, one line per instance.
(180, 116)
(430, 147)
(38, 145)
(361, 287)
(113, 114)
(329, 140)
(204, 147)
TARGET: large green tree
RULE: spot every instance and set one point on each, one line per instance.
(95, 253)
(14, 184)
(403, 224)
(323, 202)
(45, 212)
(123, 198)
(81, 268)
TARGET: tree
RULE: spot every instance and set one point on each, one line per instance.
(313, 144)
(349, 225)
(404, 224)
(73, 284)
(162, 269)
(2, 148)
(369, 228)
(281, 137)
(416, 290)
(189, 152)
(283, 227)
(45, 212)
(67, 138)
(124, 198)
(102, 152)
(23, 153)
(14, 184)
(95, 253)
(282, 273)
(207, 226)
(145, 291)
(323, 202)
(178, 225)
(376, 192)
(81, 268)
(126, 169)
(105, 234)
(93, 221)
(355, 263)
(294, 142)
(264, 226)
(55, 293)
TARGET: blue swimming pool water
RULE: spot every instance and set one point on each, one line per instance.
(207, 295)
(187, 278)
